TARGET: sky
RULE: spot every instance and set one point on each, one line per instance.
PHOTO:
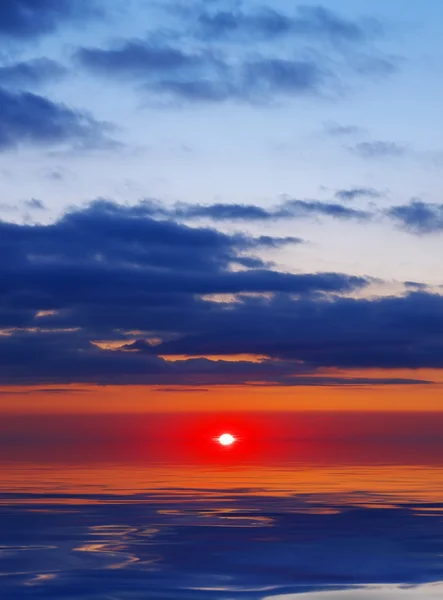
(220, 204)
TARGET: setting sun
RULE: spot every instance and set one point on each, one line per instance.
(226, 439)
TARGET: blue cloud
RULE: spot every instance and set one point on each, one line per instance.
(196, 62)
(390, 333)
(202, 76)
(104, 270)
(315, 22)
(379, 149)
(31, 73)
(290, 209)
(300, 208)
(357, 192)
(137, 58)
(30, 18)
(418, 217)
(27, 118)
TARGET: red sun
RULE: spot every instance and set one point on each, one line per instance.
(226, 439)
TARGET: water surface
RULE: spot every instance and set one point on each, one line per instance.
(107, 512)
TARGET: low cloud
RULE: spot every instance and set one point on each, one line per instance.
(82, 297)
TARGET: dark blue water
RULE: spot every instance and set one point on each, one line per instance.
(351, 523)
(216, 543)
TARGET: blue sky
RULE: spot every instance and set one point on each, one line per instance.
(384, 87)
(283, 140)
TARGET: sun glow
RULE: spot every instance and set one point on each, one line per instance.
(226, 439)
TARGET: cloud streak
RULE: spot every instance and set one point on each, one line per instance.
(379, 149)
(356, 193)
(28, 19)
(289, 209)
(27, 118)
(31, 73)
(206, 58)
(311, 22)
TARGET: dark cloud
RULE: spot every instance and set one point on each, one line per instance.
(392, 332)
(31, 73)
(43, 358)
(107, 254)
(100, 272)
(220, 212)
(267, 241)
(137, 58)
(354, 193)
(104, 294)
(415, 285)
(300, 208)
(418, 217)
(202, 76)
(27, 118)
(289, 209)
(24, 19)
(379, 149)
(126, 253)
(312, 22)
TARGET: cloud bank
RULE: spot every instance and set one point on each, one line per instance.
(112, 294)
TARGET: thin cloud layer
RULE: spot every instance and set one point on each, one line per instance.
(27, 19)
(206, 56)
(356, 193)
(417, 217)
(30, 74)
(202, 76)
(311, 22)
(379, 149)
(289, 209)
